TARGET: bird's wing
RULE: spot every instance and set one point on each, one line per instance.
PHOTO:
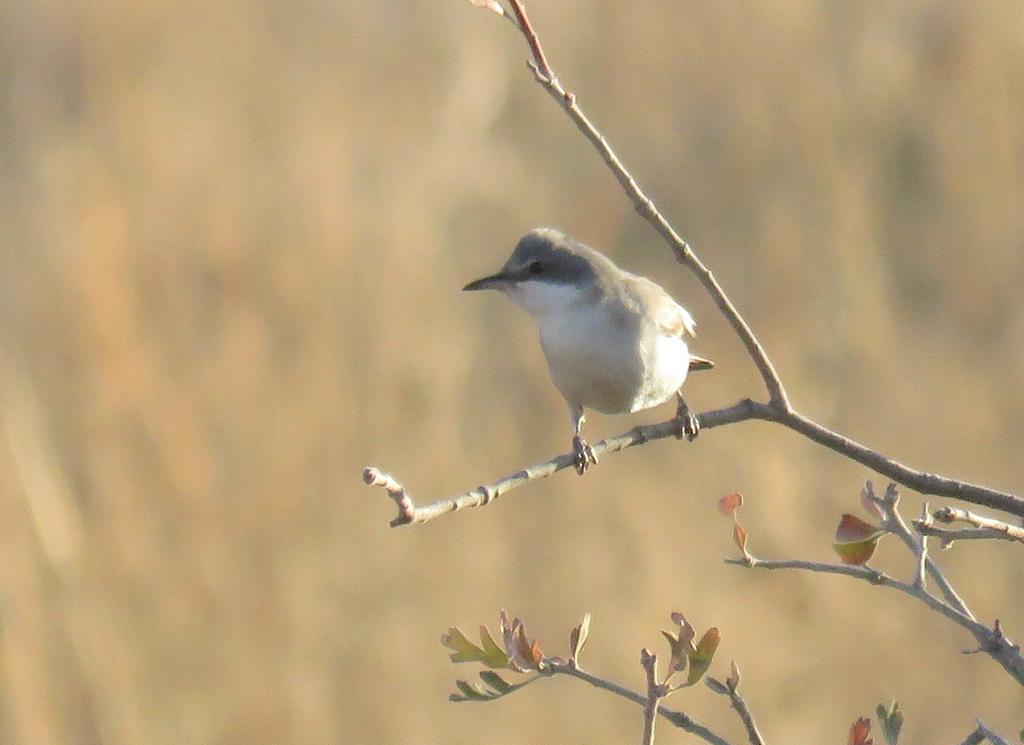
(672, 318)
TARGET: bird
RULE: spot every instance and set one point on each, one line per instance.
(615, 342)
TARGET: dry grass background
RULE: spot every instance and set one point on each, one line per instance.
(232, 239)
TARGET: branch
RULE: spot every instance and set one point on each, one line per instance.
(982, 733)
(655, 692)
(778, 401)
(731, 688)
(947, 537)
(991, 641)
(892, 522)
(679, 719)
(919, 481)
(409, 513)
(645, 206)
(777, 409)
(984, 527)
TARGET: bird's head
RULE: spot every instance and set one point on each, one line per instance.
(546, 272)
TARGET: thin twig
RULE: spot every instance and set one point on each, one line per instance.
(922, 555)
(892, 522)
(987, 527)
(646, 208)
(731, 688)
(681, 720)
(948, 536)
(982, 733)
(655, 692)
(976, 737)
(409, 513)
(991, 641)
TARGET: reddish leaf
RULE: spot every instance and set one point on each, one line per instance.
(856, 540)
(527, 655)
(859, 732)
(728, 504)
(536, 655)
(680, 652)
(509, 634)
(686, 631)
(852, 529)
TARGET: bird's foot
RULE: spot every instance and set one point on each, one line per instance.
(687, 424)
(583, 453)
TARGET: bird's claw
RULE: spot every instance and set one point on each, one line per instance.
(583, 454)
(687, 423)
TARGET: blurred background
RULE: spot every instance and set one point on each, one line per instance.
(232, 241)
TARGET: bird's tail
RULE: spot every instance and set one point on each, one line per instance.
(700, 363)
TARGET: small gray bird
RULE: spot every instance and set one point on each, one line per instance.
(615, 342)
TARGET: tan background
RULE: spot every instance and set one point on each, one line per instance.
(233, 236)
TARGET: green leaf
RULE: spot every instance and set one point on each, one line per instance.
(494, 656)
(463, 650)
(891, 720)
(856, 540)
(498, 687)
(495, 681)
(701, 657)
(469, 693)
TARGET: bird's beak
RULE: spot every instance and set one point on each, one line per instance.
(494, 282)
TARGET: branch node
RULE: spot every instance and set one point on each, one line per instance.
(406, 508)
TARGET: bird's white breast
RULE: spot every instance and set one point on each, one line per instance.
(602, 355)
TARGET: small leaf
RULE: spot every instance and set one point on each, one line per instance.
(496, 682)
(728, 504)
(733, 681)
(578, 637)
(680, 653)
(891, 720)
(852, 529)
(856, 554)
(496, 7)
(469, 693)
(527, 654)
(491, 5)
(701, 657)
(498, 687)
(859, 732)
(494, 656)
(686, 630)
(509, 632)
(537, 655)
(856, 540)
(463, 650)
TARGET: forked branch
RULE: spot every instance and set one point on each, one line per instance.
(991, 640)
(777, 408)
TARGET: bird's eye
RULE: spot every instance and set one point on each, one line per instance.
(535, 267)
